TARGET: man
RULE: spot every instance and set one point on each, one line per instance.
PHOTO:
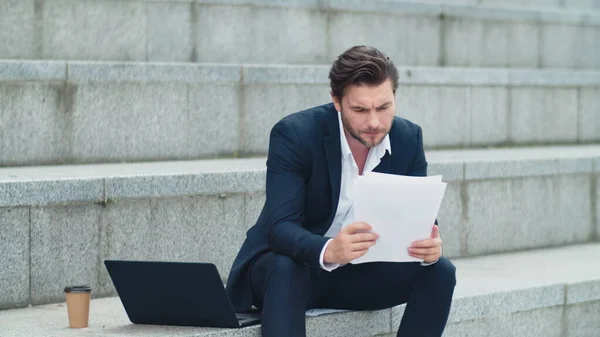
(297, 255)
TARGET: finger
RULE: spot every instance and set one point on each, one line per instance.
(427, 243)
(362, 237)
(435, 232)
(356, 254)
(419, 256)
(358, 227)
(423, 251)
(426, 257)
(362, 245)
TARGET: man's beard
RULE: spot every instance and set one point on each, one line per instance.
(357, 136)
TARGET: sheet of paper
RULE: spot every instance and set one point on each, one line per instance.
(399, 179)
(400, 213)
(319, 312)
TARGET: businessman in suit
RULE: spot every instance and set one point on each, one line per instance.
(297, 256)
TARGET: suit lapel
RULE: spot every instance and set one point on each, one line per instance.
(384, 165)
(333, 152)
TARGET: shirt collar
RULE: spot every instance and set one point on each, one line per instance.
(380, 149)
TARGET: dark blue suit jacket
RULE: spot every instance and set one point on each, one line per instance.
(303, 184)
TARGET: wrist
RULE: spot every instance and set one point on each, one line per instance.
(327, 256)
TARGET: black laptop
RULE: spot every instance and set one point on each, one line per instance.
(175, 293)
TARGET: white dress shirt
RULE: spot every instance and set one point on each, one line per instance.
(344, 214)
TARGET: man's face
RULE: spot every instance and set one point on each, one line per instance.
(367, 112)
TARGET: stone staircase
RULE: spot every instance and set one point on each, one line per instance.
(138, 130)
(163, 111)
(416, 33)
(514, 294)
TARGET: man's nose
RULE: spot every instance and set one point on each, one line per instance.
(373, 121)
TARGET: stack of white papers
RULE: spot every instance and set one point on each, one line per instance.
(401, 209)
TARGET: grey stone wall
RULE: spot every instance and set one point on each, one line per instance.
(90, 112)
(451, 33)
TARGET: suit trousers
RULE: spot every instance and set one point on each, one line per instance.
(283, 289)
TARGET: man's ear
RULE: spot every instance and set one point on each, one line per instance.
(336, 102)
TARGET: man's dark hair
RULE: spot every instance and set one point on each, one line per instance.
(361, 65)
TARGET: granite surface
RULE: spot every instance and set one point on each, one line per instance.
(511, 292)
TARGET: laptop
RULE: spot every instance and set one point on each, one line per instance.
(175, 293)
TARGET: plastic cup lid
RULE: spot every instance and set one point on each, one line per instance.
(78, 289)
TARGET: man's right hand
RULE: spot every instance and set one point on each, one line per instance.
(352, 242)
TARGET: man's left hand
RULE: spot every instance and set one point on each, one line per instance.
(429, 250)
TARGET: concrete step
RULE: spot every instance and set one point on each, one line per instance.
(299, 32)
(573, 5)
(538, 293)
(57, 112)
(59, 223)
